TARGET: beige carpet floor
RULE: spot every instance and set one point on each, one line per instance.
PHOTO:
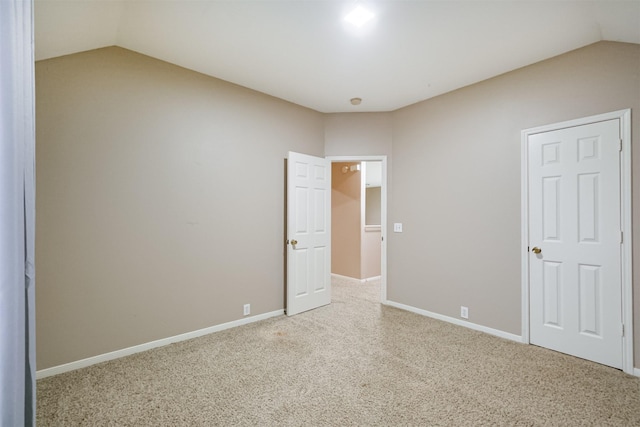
(351, 363)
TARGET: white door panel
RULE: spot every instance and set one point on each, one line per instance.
(308, 232)
(574, 218)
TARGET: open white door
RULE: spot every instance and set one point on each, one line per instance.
(308, 233)
(575, 237)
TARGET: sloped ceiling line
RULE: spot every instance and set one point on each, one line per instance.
(303, 51)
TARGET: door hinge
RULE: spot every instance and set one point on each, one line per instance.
(382, 238)
(620, 146)
(621, 237)
(622, 329)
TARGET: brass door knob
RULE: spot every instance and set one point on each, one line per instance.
(294, 242)
(536, 250)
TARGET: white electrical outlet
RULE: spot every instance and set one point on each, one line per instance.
(464, 312)
(247, 309)
(397, 227)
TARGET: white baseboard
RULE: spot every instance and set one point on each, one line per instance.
(340, 276)
(636, 372)
(474, 326)
(153, 344)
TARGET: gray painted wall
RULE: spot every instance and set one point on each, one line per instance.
(149, 179)
(144, 209)
(456, 180)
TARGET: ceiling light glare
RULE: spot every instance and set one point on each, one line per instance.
(359, 16)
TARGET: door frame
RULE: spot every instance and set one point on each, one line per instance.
(383, 213)
(626, 212)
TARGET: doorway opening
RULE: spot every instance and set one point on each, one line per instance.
(358, 218)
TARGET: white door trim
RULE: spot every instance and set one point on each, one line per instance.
(626, 209)
(383, 213)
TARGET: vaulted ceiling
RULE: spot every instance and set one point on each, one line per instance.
(305, 52)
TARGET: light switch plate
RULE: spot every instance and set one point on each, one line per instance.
(397, 227)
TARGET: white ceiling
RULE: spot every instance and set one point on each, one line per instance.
(304, 52)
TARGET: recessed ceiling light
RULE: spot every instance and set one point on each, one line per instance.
(356, 101)
(359, 16)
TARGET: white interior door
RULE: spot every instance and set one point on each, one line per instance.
(308, 233)
(575, 241)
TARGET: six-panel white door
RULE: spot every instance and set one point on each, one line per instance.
(574, 220)
(308, 232)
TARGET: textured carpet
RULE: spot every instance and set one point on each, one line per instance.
(353, 362)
